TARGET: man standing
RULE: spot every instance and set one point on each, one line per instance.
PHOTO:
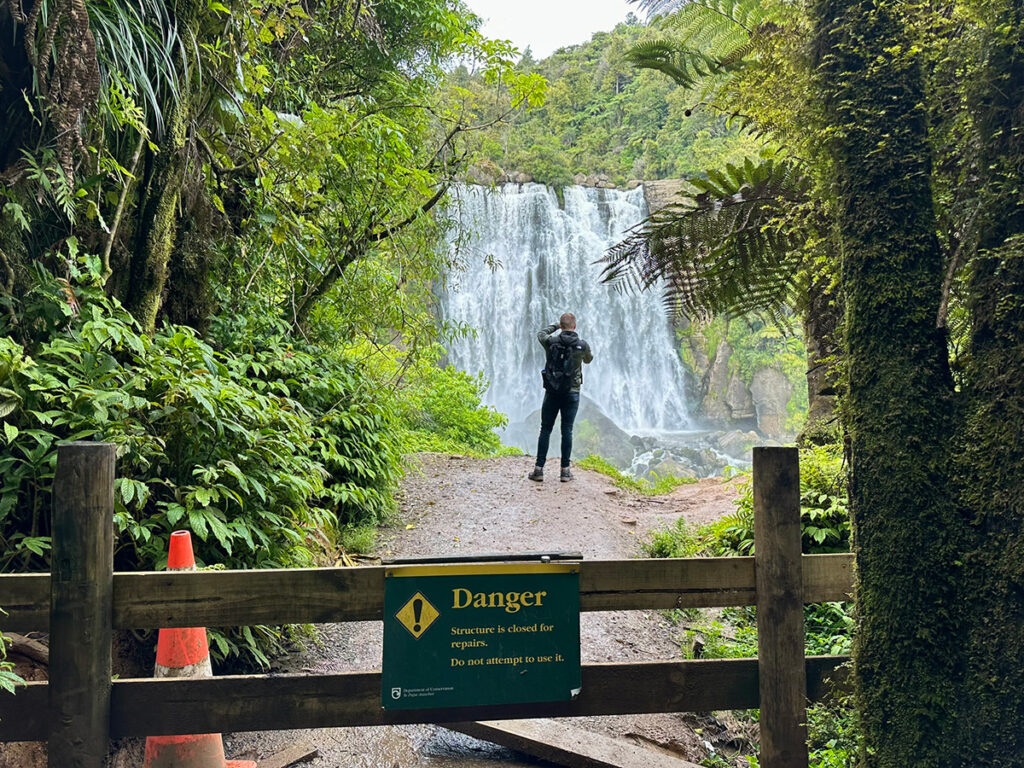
(563, 377)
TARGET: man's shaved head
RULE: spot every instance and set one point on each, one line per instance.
(567, 322)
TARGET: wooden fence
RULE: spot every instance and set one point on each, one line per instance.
(82, 601)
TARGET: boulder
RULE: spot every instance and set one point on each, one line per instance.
(593, 432)
(771, 390)
(671, 467)
(596, 433)
(485, 173)
(738, 399)
(737, 443)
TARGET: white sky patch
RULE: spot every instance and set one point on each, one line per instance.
(545, 25)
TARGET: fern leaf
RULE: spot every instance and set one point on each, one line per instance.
(734, 248)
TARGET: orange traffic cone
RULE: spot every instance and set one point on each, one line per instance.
(185, 653)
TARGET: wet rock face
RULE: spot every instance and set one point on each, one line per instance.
(739, 400)
(662, 193)
(714, 406)
(771, 390)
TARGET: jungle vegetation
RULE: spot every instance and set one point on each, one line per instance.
(220, 232)
(888, 210)
(219, 242)
(602, 117)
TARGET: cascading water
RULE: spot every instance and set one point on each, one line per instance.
(543, 255)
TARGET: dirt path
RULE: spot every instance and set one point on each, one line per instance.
(453, 505)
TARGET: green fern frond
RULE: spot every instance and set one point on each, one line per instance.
(685, 66)
(734, 248)
(708, 38)
(140, 43)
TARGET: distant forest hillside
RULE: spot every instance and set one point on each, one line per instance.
(602, 116)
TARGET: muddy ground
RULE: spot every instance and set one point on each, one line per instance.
(456, 505)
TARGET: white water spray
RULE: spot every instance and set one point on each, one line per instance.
(546, 256)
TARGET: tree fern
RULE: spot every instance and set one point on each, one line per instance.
(687, 67)
(706, 39)
(735, 247)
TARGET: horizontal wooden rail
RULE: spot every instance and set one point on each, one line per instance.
(324, 595)
(279, 702)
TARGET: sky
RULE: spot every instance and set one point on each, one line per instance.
(545, 25)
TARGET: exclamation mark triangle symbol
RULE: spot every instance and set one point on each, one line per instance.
(417, 615)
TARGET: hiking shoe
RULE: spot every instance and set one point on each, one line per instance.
(537, 474)
(566, 475)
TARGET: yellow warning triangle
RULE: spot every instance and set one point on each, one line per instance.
(417, 614)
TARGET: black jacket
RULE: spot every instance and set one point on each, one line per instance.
(579, 357)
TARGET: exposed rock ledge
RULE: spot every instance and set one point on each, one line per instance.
(662, 192)
(658, 192)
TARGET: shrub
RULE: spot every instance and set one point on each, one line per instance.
(677, 540)
(824, 515)
(438, 408)
(261, 452)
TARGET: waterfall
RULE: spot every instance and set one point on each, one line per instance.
(529, 259)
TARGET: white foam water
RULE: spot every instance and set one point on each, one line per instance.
(542, 263)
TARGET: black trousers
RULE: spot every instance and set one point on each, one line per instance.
(555, 403)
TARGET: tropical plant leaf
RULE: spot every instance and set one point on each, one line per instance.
(735, 247)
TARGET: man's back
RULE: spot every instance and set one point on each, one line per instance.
(579, 351)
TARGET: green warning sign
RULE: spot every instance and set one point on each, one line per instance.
(473, 635)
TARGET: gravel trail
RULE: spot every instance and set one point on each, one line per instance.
(457, 505)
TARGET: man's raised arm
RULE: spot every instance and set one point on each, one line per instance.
(544, 336)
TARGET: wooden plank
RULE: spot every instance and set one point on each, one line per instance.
(484, 557)
(237, 598)
(25, 599)
(324, 595)
(612, 585)
(780, 611)
(827, 578)
(284, 702)
(302, 752)
(81, 605)
(568, 745)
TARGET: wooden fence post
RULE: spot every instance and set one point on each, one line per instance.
(81, 605)
(780, 612)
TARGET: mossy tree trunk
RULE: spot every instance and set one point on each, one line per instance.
(160, 193)
(992, 452)
(821, 320)
(158, 219)
(899, 403)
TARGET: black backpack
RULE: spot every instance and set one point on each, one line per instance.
(559, 371)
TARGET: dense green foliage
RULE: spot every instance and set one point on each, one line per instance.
(602, 117)
(906, 122)
(218, 250)
(824, 517)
